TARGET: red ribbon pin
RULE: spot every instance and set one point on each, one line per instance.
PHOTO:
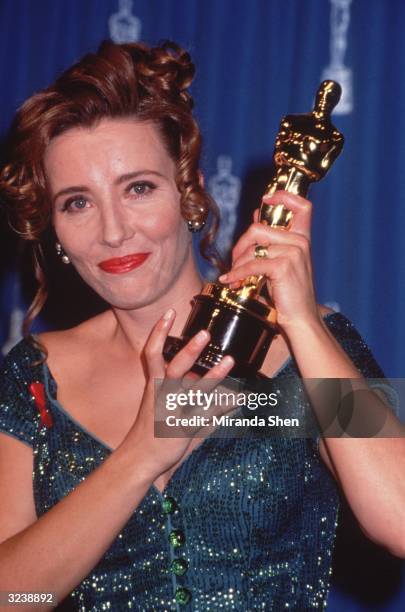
(38, 392)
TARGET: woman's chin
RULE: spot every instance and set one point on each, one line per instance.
(132, 302)
(131, 298)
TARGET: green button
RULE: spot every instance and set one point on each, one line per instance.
(169, 505)
(183, 596)
(179, 567)
(176, 538)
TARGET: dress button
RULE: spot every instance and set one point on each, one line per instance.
(182, 596)
(176, 538)
(169, 505)
(179, 567)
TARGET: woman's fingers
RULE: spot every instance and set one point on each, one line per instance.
(216, 374)
(296, 252)
(250, 268)
(301, 222)
(208, 405)
(185, 359)
(279, 258)
(299, 206)
(259, 234)
(179, 369)
(155, 343)
(181, 364)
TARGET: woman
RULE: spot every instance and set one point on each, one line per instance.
(115, 518)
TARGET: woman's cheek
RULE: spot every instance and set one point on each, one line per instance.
(163, 225)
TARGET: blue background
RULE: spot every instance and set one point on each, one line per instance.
(256, 61)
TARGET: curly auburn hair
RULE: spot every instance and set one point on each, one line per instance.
(119, 81)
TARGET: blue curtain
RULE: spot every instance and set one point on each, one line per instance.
(256, 61)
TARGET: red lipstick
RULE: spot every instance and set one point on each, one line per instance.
(120, 265)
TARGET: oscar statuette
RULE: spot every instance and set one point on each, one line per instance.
(241, 323)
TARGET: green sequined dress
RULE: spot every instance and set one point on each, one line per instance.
(244, 524)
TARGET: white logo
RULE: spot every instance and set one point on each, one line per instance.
(336, 70)
(124, 27)
(225, 189)
(16, 321)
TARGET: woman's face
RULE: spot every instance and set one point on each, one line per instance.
(116, 210)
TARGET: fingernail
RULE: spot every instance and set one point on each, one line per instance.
(201, 336)
(227, 361)
(223, 277)
(168, 314)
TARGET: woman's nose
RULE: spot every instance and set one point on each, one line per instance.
(116, 227)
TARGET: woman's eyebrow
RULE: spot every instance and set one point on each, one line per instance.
(131, 175)
(68, 190)
(118, 181)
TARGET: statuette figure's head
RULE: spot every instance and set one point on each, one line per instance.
(310, 142)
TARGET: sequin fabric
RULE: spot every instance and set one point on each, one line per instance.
(244, 524)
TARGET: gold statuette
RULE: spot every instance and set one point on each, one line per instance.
(241, 324)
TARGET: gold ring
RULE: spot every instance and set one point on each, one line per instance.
(261, 252)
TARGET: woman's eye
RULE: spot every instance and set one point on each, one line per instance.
(141, 188)
(74, 204)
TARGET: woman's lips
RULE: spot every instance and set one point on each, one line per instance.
(120, 265)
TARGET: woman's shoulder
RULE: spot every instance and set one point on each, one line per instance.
(341, 326)
(352, 342)
(26, 358)
(21, 367)
(25, 354)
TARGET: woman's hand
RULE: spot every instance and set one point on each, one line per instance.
(288, 267)
(160, 454)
